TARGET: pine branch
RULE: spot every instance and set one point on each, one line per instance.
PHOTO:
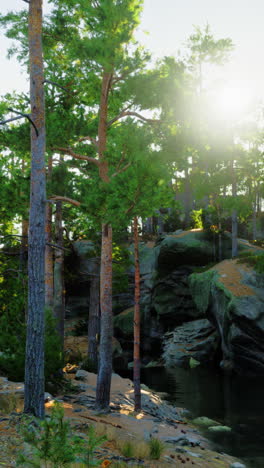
(133, 204)
(125, 113)
(70, 152)
(55, 198)
(55, 246)
(57, 84)
(9, 253)
(3, 122)
(21, 115)
(27, 1)
(12, 235)
(121, 170)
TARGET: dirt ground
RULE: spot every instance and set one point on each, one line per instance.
(121, 424)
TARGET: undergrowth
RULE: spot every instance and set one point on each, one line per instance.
(253, 260)
(52, 443)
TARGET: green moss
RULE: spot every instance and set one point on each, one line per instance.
(255, 260)
(124, 321)
(200, 285)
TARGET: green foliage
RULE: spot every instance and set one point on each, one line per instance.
(173, 220)
(52, 441)
(204, 48)
(196, 217)
(156, 447)
(127, 449)
(13, 295)
(240, 203)
(53, 348)
(253, 260)
(90, 445)
(209, 217)
(121, 263)
(12, 323)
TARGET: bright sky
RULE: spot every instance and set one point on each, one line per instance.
(169, 23)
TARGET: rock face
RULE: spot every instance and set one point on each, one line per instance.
(232, 296)
(172, 300)
(166, 300)
(172, 304)
(197, 340)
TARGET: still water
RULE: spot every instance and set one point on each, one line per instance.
(233, 401)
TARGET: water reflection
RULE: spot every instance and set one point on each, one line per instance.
(234, 401)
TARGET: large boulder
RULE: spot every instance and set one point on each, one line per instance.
(172, 300)
(184, 248)
(196, 340)
(232, 296)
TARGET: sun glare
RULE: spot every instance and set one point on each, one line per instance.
(231, 102)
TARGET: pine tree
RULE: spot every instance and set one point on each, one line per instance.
(34, 364)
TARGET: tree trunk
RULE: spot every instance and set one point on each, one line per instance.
(49, 280)
(220, 249)
(94, 317)
(106, 332)
(136, 373)
(34, 362)
(254, 220)
(23, 246)
(105, 351)
(59, 293)
(148, 225)
(24, 239)
(187, 201)
(234, 214)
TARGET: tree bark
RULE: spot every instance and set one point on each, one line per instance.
(106, 329)
(34, 362)
(105, 350)
(23, 246)
(49, 280)
(234, 214)
(59, 289)
(94, 317)
(136, 373)
(254, 220)
(187, 201)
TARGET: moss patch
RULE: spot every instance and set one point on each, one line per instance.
(200, 285)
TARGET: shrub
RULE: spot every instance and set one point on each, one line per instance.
(52, 441)
(196, 219)
(127, 449)
(156, 448)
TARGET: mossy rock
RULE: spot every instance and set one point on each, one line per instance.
(232, 297)
(219, 429)
(203, 421)
(190, 248)
(124, 322)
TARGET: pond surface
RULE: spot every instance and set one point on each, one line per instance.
(234, 401)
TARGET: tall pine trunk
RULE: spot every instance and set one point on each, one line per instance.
(254, 220)
(24, 232)
(106, 329)
(23, 246)
(59, 294)
(49, 280)
(234, 214)
(105, 350)
(34, 362)
(136, 373)
(94, 316)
